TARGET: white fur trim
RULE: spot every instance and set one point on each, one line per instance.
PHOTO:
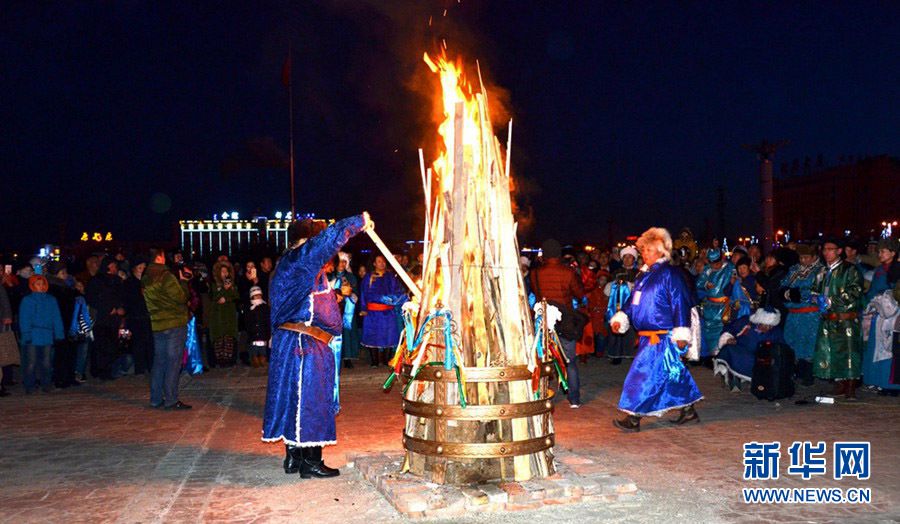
(623, 321)
(681, 334)
(761, 316)
(410, 307)
(662, 411)
(723, 340)
(722, 368)
(630, 250)
(299, 386)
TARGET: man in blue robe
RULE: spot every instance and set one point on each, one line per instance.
(739, 341)
(711, 290)
(660, 311)
(301, 398)
(380, 293)
(803, 315)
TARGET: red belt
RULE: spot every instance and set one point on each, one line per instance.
(375, 306)
(841, 316)
(805, 309)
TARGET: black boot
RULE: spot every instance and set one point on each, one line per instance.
(688, 414)
(293, 456)
(805, 370)
(629, 424)
(348, 364)
(313, 465)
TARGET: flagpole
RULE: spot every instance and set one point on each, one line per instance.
(291, 132)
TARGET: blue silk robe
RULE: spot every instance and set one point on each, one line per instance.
(739, 358)
(381, 328)
(802, 323)
(300, 399)
(711, 287)
(657, 380)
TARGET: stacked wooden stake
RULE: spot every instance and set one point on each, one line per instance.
(471, 267)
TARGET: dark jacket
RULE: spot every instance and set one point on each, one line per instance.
(104, 293)
(135, 306)
(257, 322)
(65, 298)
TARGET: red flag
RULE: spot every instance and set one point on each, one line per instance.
(286, 72)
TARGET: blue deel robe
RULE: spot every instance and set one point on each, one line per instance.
(877, 373)
(658, 380)
(739, 358)
(718, 280)
(743, 295)
(380, 328)
(803, 318)
(300, 400)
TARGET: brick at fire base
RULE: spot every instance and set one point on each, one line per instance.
(474, 496)
(552, 488)
(494, 493)
(393, 487)
(535, 487)
(411, 504)
(515, 492)
(570, 488)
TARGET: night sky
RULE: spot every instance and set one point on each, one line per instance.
(129, 115)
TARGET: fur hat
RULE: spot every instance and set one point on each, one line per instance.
(659, 237)
(524, 261)
(766, 317)
(343, 255)
(713, 254)
(255, 290)
(629, 250)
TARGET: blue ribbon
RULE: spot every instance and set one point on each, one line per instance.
(192, 345)
(618, 296)
(335, 346)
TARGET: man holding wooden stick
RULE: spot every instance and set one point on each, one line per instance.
(302, 395)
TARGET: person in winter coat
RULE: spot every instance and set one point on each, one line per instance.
(104, 293)
(223, 326)
(259, 330)
(64, 350)
(40, 324)
(138, 317)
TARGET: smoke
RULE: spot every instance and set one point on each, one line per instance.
(397, 34)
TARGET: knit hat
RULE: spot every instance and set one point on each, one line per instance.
(713, 255)
(630, 250)
(255, 290)
(551, 248)
(34, 280)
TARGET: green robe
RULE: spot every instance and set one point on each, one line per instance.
(223, 321)
(839, 344)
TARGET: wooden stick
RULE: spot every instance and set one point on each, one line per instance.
(508, 148)
(404, 276)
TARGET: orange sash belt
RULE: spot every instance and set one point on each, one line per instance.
(718, 300)
(375, 306)
(653, 335)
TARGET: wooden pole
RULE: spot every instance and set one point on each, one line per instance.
(404, 276)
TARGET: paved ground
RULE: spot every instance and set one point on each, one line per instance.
(99, 454)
